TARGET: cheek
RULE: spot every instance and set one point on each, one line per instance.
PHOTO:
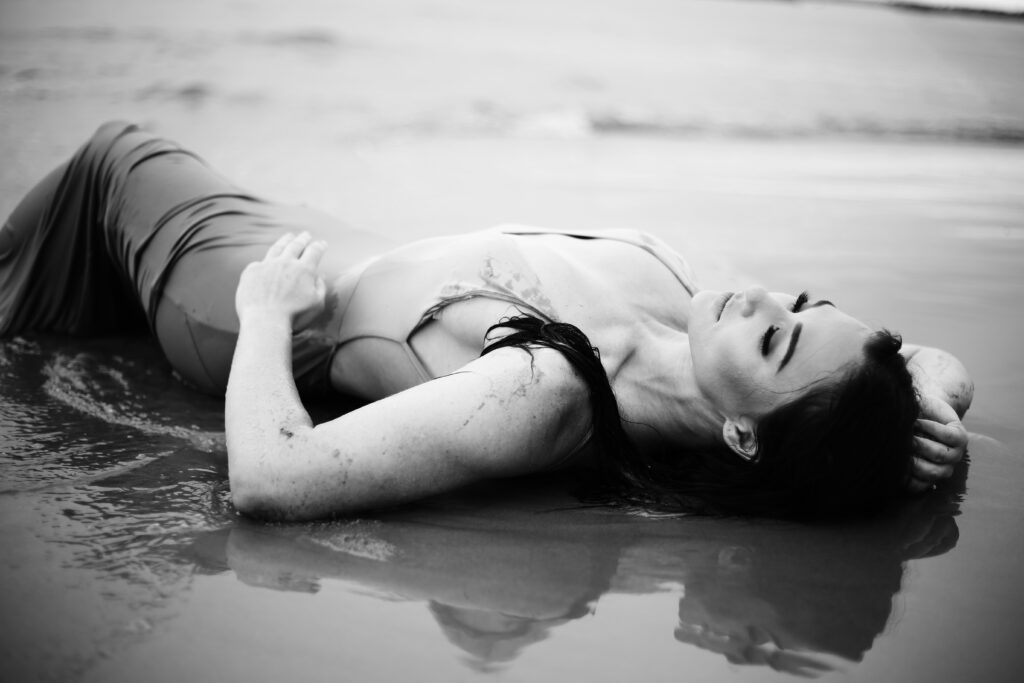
(721, 372)
(737, 386)
(730, 360)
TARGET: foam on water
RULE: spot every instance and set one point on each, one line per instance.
(103, 411)
(91, 386)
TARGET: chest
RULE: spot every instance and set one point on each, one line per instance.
(619, 295)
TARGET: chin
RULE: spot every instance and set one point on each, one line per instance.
(703, 300)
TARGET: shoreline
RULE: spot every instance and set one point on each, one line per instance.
(1005, 9)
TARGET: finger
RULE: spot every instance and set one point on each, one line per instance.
(313, 253)
(934, 408)
(277, 247)
(295, 247)
(952, 434)
(935, 452)
(928, 471)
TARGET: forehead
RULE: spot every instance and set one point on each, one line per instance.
(829, 340)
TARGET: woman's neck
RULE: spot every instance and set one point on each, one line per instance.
(659, 398)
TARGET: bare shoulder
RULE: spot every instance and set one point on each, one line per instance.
(530, 399)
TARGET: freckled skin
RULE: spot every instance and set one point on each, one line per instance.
(509, 279)
(521, 390)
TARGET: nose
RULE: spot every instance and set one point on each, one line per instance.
(753, 298)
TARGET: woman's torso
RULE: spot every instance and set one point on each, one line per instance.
(423, 310)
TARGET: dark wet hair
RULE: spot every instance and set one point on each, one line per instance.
(843, 447)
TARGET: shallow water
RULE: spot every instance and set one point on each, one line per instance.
(122, 557)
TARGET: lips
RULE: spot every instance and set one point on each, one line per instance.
(722, 303)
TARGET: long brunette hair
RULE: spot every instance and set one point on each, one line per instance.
(842, 447)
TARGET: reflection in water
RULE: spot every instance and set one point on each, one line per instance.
(780, 597)
(500, 571)
(143, 505)
(491, 637)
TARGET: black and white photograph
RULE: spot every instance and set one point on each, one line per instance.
(498, 342)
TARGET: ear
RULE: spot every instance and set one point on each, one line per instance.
(741, 437)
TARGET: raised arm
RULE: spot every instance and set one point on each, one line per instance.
(508, 413)
(946, 392)
(939, 374)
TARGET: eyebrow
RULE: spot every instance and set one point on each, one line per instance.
(793, 338)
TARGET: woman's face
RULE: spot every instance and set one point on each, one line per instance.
(754, 351)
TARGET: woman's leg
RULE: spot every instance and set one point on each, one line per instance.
(55, 275)
(135, 228)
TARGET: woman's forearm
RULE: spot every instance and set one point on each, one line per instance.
(263, 411)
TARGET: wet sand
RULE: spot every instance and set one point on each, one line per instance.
(871, 155)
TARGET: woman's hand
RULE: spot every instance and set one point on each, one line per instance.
(939, 444)
(285, 282)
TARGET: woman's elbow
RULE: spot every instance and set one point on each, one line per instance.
(282, 497)
(255, 491)
(250, 501)
(963, 398)
(959, 387)
(253, 498)
(269, 505)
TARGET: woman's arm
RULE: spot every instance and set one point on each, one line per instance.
(939, 374)
(508, 413)
(946, 392)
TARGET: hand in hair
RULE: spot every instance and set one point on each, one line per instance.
(939, 444)
(945, 393)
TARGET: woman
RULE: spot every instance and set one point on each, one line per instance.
(722, 401)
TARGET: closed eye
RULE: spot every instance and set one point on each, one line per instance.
(766, 340)
(803, 298)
